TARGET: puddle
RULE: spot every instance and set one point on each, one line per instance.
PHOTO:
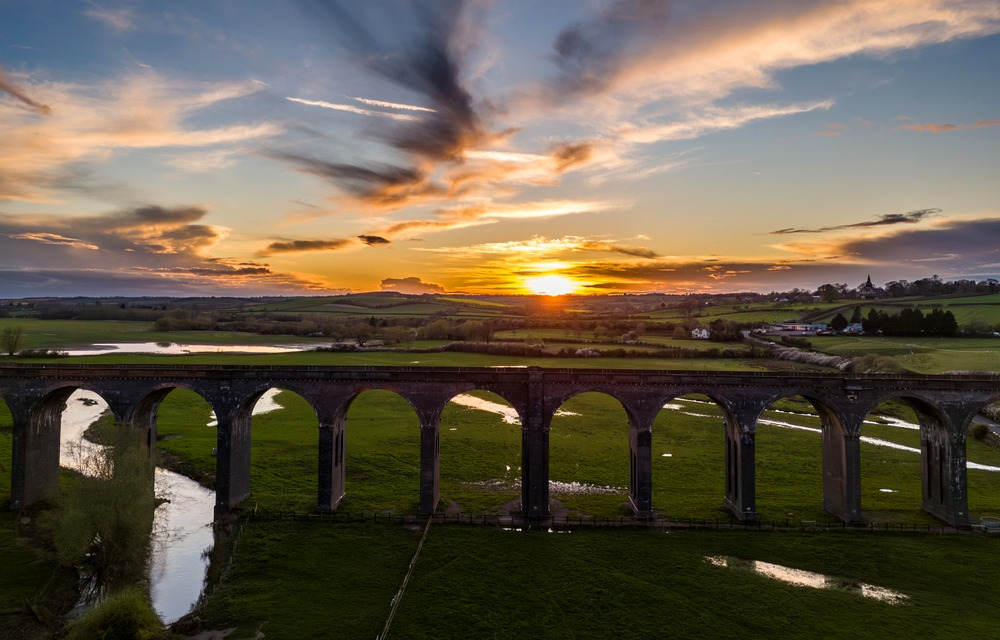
(509, 414)
(169, 348)
(801, 578)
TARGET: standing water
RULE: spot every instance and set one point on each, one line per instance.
(182, 526)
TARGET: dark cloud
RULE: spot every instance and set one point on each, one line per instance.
(381, 185)
(885, 220)
(958, 247)
(638, 252)
(302, 246)
(568, 156)
(9, 88)
(591, 54)
(416, 46)
(373, 240)
(412, 284)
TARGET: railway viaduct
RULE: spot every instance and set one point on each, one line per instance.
(945, 405)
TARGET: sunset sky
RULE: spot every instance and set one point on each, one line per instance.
(276, 147)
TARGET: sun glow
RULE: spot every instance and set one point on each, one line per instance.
(550, 285)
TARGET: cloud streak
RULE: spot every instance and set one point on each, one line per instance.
(7, 87)
(943, 128)
(886, 220)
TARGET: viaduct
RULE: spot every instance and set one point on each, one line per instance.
(945, 405)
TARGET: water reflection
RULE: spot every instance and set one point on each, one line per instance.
(182, 528)
(801, 578)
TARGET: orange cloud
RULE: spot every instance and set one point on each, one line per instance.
(941, 128)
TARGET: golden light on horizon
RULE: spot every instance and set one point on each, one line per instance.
(551, 284)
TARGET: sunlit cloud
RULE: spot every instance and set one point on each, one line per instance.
(54, 239)
(93, 123)
(411, 285)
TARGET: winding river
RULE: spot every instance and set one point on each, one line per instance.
(182, 526)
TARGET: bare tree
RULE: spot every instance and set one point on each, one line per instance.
(10, 339)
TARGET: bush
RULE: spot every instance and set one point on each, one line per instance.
(125, 615)
(980, 431)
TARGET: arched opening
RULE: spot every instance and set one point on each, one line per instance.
(186, 430)
(381, 453)
(983, 465)
(891, 463)
(589, 457)
(284, 437)
(480, 455)
(789, 461)
(688, 452)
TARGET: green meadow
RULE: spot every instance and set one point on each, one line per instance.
(920, 355)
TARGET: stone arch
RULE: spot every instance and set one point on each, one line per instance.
(380, 454)
(943, 455)
(37, 440)
(480, 453)
(836, 474)
(282, 436)
(589, 451)
(982, 461)
(695, 441)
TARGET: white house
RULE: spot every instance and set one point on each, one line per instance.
(700, 334)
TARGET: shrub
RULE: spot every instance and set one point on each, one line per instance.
(125, 615)
(980, 431)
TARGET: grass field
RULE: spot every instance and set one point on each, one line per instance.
(472, 582)
(63, 334)
(920, 355)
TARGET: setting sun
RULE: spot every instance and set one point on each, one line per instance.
(550, 285)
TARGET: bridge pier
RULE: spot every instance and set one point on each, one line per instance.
(640, 486)
(35, 443)
(430, 467)
(841, 473)
(535, 450)
(232, 462)
(331, 465)
(741, 472)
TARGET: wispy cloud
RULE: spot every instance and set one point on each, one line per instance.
(942, 128)
(118, 19)
(352, 109)
(392, 105)
(888, 219)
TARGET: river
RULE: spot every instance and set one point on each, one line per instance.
(182, 526)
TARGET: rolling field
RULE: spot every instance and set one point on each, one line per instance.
(920, 355)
